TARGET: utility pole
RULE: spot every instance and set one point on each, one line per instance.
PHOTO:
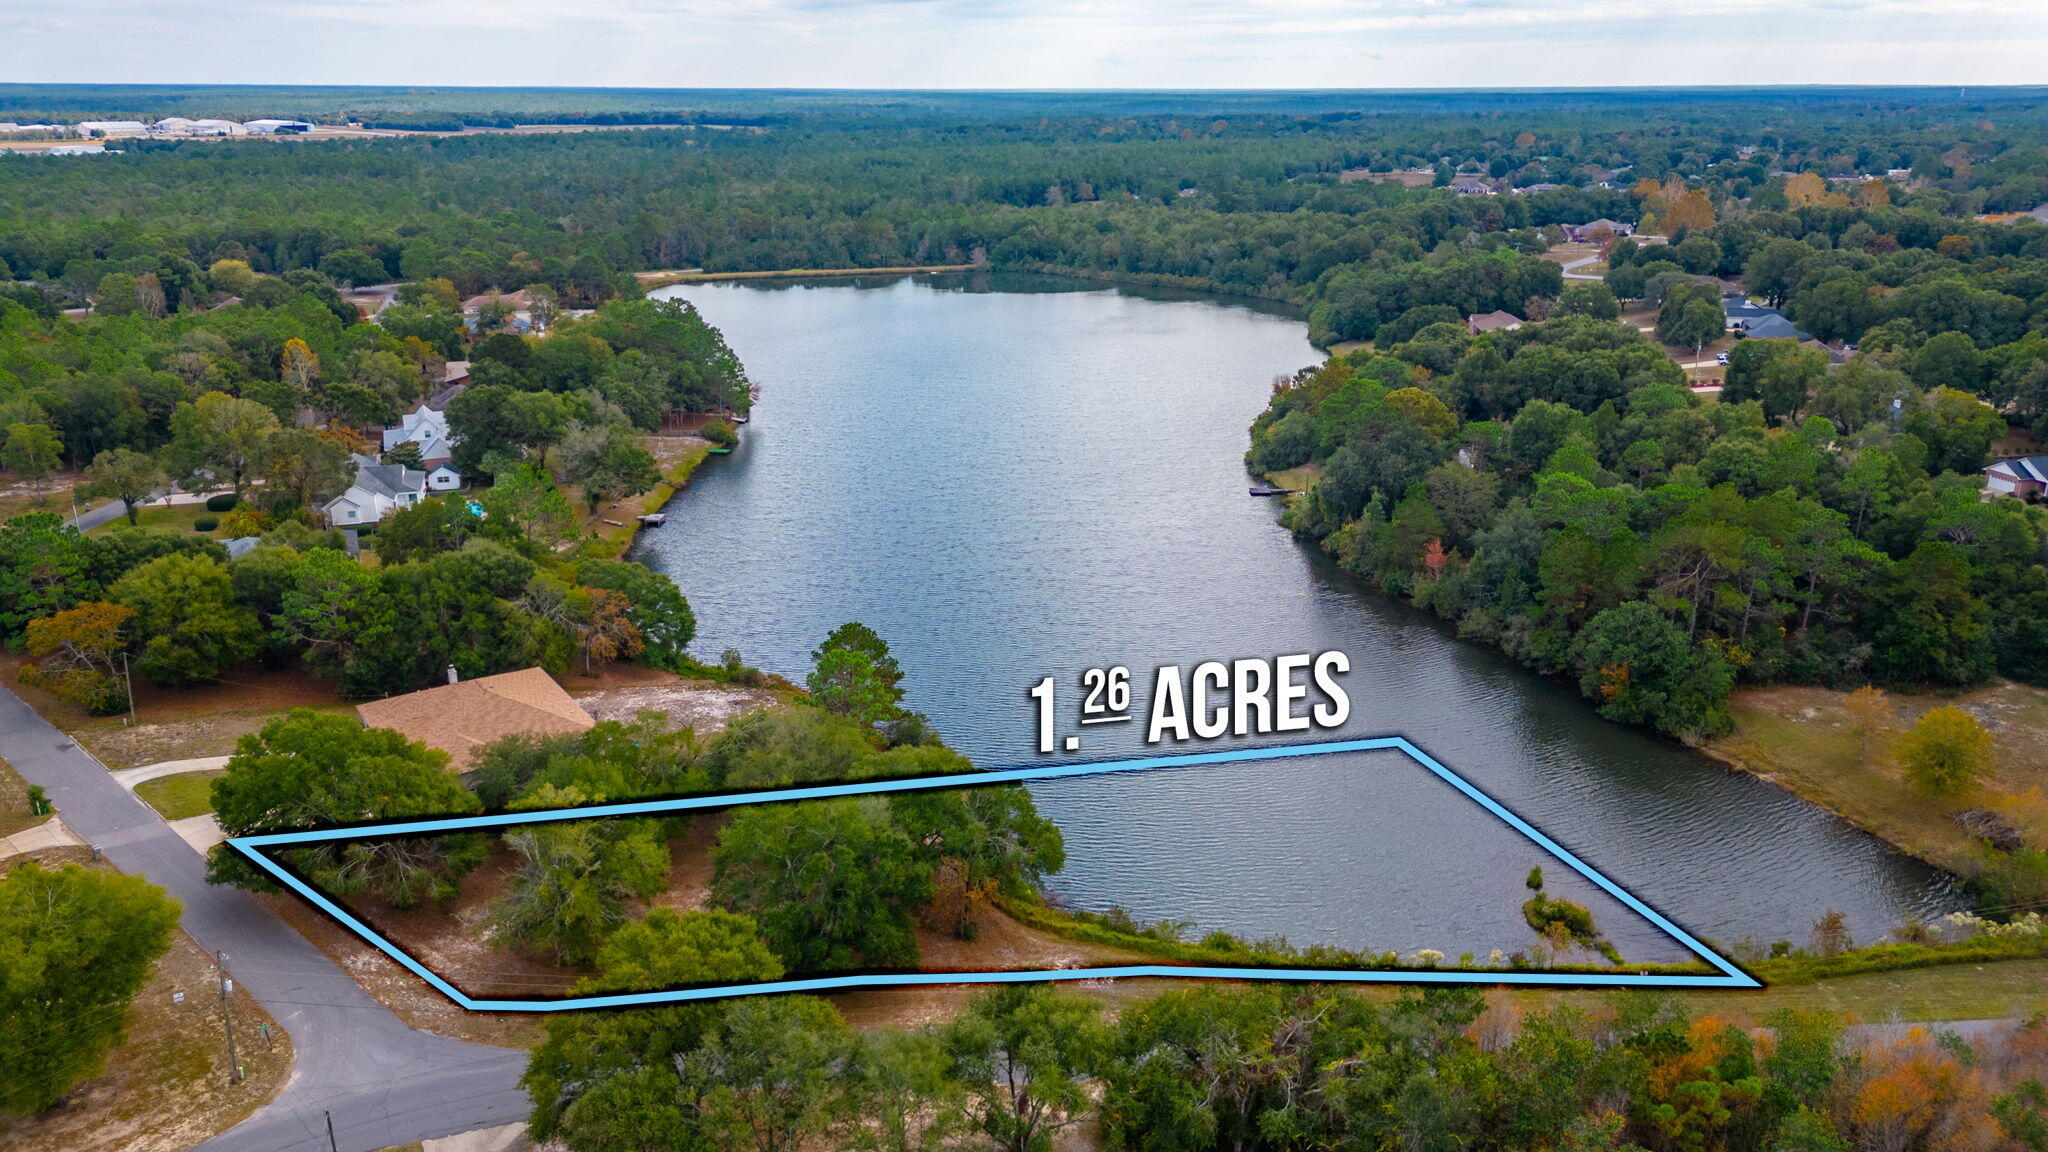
(129, 680)
(331, 1146)
(227, 1018)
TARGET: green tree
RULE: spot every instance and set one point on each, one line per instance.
(1024, 1053)
(302, 469)
(1641, 669)
(45, 567)
(75, 948)
(32, 452)
(671, 949)
(191, 628)
(1583, 298)
(574, 878)
(218, 437)
(832, 883)
(658, 608)
(309, 769)
(853, 674)
(606, 462)
(524, 496)
(1945, 752)
(126, 475)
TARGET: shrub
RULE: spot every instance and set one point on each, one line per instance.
(205, 524)
(721, 433)
(222, 502)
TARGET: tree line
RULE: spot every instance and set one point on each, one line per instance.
(1250, 1069)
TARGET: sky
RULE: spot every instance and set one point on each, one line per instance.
(1027, 43)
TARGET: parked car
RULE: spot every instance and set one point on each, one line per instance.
(1721, 358)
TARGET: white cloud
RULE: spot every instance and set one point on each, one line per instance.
(1015, 43)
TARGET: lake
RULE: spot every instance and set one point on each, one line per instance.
(1016, 477)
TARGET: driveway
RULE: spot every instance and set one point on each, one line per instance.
(1581, 263)
(383, 1082)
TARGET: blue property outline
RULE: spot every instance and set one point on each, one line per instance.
(1729, 975)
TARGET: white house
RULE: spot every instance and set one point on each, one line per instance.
(378, 491)
(428, 428)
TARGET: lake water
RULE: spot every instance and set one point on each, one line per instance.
(1011, 478)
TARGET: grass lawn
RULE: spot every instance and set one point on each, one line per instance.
(176, 518)
(182, 796)
(14, 813)
(1949, 992)
(676, 457)
(1296, 479)
(1802, 738)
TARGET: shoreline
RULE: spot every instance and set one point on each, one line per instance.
(653, 280)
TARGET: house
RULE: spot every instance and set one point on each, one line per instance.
(2019, 476)
(454, 382)
(1527, 189)
(1472, 188)
(1738, 312)
(1592, 229)
(462, 716)
(1494, 321)
(241, 546)
(428, 428)
(1775, 327)
(378, 491)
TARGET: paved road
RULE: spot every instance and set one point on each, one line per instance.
(385, 1083)
(115, 509)
(1581, 263)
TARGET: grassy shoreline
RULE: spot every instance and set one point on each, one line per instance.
(1802, 739)
(611, 541)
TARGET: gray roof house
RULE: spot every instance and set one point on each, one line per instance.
(1775, 327)
(378, 491)
(1740, 312)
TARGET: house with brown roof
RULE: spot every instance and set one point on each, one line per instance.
(461, 716)
(1494, 321)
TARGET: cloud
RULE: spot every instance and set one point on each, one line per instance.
(1026, 43)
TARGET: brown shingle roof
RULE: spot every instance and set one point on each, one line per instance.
(460, 718)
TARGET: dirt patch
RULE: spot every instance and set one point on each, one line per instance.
(455, 941)
(181, 723)
(18, 496)
(409, 998)
(14, 807)
(702, 705)
(168, 1087)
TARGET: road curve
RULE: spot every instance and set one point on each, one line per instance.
(384, 1083)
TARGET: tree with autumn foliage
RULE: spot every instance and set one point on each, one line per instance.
(297, 365)
(1945, 752)
(77, 651)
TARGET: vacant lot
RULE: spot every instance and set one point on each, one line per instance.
(180, 723)
(1803, 739)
